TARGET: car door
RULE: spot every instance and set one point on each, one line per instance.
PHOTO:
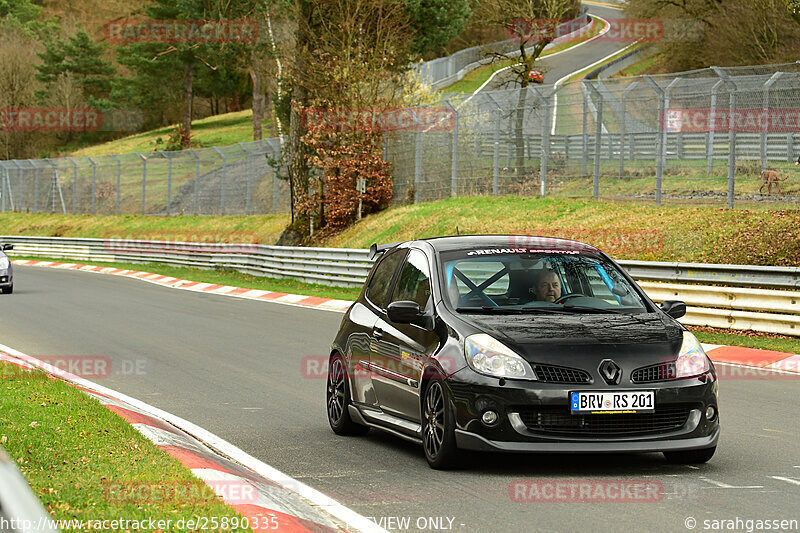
(363, 317)
(400, 350)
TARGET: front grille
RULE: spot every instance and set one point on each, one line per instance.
(559, 420)
(653, 373)
(560, 374)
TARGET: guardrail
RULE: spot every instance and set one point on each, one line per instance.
(727, 296)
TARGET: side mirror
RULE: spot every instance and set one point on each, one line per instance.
(403, 312)
(8, 247)
(673, 308)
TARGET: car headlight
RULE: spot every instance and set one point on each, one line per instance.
(489, 356)
(3, 263)
(692, 359)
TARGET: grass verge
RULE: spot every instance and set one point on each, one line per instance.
(75, 453)
(218, 277)
(254, 229)
(748, 339)
(625, 230)
(217, 130)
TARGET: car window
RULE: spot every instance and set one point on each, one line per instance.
(414, 281)
(527, 280)
(380, 283)
(478, 273)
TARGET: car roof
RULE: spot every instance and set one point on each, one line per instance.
(531, 243)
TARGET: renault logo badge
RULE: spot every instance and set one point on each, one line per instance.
(610, 371)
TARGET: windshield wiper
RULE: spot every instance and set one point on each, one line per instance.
(509, 310)
(587, 309)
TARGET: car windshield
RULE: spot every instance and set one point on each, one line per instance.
(492, 281)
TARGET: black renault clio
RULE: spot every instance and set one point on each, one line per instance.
(518, 344)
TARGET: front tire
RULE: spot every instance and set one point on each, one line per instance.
(337, 399)
(8, 290)
(438, 428)
(690, 456)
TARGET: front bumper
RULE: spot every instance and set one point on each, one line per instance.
(6, 278)
(536, 417)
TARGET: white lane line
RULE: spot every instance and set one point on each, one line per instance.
(722, 485)
(786, 479)
(556, 84)
(548, 56)
(319, 499)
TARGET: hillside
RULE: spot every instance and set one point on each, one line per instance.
(624, 230)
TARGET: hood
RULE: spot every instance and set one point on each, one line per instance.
(575, 340)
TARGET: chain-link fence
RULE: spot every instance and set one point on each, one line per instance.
(231, 180)
(704, 135)
(700, 136)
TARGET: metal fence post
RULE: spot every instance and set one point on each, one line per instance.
(598, 137)
(119, 172)
(732, 100)
(585, 132)
(163, 154)
(496, 153)
(545, 151)
(223, 185)
(659, 138)
(94, 182)
(248, 192)
(196, 181)
(767, 86)
(712, 127)
(623, 127)
(3, 192)
(144, 179)
(35, 186)
(417, 162)
(74, 185)
(454, 156)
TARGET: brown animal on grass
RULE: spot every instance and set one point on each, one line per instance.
(768, 178)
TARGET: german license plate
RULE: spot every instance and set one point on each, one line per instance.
(613, 402)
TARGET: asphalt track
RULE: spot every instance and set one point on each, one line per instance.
(571, 60)
(233, 366)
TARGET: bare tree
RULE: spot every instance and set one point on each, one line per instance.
(532, 24)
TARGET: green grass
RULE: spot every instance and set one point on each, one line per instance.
(217, 130)
(73, 451)
(258, 229)
(218, 277)
(626, 230)
(750, 339)
(477, 77)
(643, 66)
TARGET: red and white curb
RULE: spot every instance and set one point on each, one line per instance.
(752, 358)
(327, 304)
(271, 500)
